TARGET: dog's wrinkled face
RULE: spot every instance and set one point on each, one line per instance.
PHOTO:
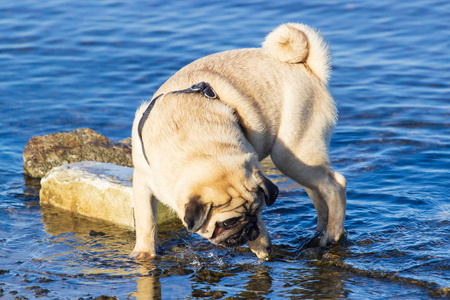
(227, 209)
(236, 231)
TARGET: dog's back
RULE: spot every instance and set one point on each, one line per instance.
(272, 89)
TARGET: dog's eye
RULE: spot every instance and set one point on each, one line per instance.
(228, 224)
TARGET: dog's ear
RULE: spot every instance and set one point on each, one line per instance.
(270, 191)
(196, 214)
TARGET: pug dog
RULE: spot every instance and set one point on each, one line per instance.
(198, 144)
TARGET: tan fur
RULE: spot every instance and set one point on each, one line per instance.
(209, 150)
(299, 43)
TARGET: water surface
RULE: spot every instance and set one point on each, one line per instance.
(70, 64)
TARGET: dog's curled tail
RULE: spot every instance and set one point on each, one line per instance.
(298, 43)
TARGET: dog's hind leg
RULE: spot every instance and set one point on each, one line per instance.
(327, 189)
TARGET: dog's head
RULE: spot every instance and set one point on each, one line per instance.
(225, 205)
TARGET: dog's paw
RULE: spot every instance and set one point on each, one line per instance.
(331, 239)
(262, 249)
(142, 255)
(263, 255)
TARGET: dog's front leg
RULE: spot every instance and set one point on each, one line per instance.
(145, 209)
(261, 246)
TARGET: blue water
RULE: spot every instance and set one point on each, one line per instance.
(70, 64)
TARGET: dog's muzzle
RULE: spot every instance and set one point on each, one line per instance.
(249, 233)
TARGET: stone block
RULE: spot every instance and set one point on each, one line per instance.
(42, 153)
(98, 190)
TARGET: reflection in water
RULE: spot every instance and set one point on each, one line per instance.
(319, 281)
(259, 282)
(57, 221)
(88, 246)
(148, 286)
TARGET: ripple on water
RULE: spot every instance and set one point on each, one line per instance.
(68, 64)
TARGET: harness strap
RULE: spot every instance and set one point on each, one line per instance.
(202, 88)
(142, 122)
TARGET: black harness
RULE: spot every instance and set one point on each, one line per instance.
(202, 88)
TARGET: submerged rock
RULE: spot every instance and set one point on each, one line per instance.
(99, 190)
(42, 153)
